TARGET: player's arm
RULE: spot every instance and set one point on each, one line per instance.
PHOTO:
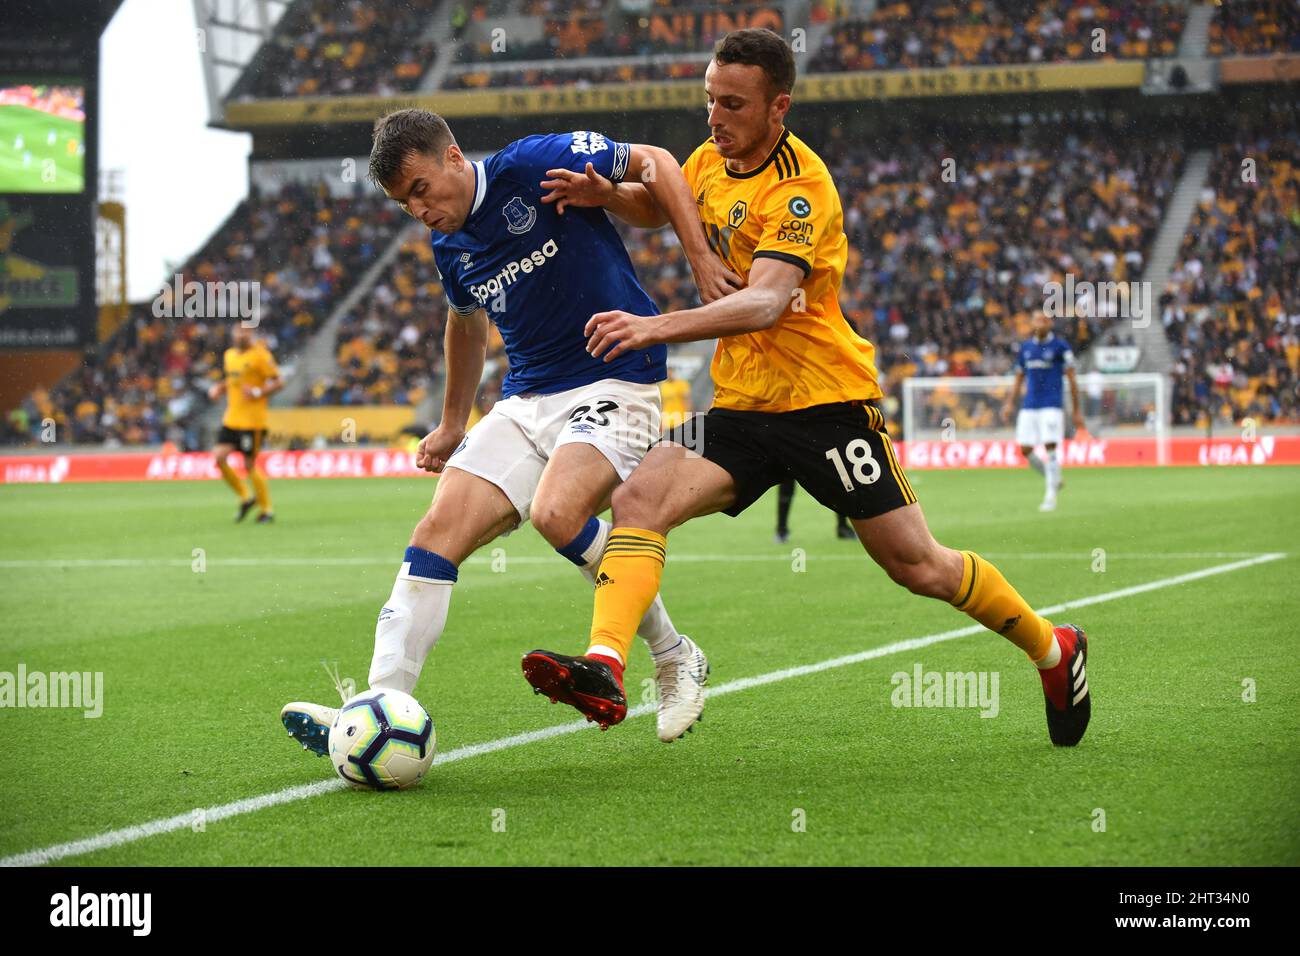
(268, 388)
(757, 306)
(1073, 379)
(216, 390)
(464, 349)
(1014, 398)
(658, 194)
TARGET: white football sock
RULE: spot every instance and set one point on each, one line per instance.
(656, 628)
(1036, 463)
(408, 628)
(1051, 658)
(1053, 472)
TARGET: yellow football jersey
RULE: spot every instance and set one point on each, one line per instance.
(253, 367)
(786, 208)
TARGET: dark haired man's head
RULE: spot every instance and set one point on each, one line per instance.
(414, 159)
(748, 82)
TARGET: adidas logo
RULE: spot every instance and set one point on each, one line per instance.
(602, 579)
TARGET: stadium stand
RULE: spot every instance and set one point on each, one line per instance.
(944, 278)
(146, 383)
(324, 47)
(941, 33)
(922, 33)
(1252, 27)
(1232, 306)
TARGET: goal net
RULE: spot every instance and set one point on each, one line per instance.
(1132, 406)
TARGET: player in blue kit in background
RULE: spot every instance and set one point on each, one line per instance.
(569, 427)
(1042, 361)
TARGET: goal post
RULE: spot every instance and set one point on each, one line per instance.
(1130, 405)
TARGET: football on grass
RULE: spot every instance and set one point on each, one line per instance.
(382, 739)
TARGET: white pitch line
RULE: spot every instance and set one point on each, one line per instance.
(132, 834)
(686, 558)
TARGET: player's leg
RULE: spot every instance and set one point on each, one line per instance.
(901, 543)
(847, 461)
(665, 490)
(261, 489)
(599, 435)
(467, 512)
(1027, 439)
(1052, 428)
(784, 498)
(576, 486)
(221, 451)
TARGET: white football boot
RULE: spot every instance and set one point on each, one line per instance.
(680, 684)
(309, 724)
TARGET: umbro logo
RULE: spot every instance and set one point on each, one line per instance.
(1010, 623)
(602, 579)
(699, 200)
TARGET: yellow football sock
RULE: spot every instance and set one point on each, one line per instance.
(232, 479)
(986, 596)
(261, 489)
(626, 585)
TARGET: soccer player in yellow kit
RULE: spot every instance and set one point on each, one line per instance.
(251, 377)
(796, 393)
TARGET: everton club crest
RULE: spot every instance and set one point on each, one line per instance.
(519, 216)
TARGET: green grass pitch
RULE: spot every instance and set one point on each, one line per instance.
(1179, 768)
(21, 166)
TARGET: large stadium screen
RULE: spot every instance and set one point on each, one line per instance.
(42, 137)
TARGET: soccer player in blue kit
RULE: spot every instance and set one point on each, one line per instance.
(1042, 361)
(569, 427)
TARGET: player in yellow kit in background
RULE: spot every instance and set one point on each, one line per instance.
(251, 377)
(676, 394)
(795, 394)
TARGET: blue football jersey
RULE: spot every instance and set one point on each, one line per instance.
(1044, 364)
(541, 276)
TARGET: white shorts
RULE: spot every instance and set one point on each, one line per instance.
(511, 444)
(1040, 426)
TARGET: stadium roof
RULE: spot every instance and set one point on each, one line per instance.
(46, 17)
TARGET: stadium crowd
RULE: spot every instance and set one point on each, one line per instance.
(1255, 27)
(1232, 306)
(903, 35)
(146, 383)
(942, 33)
(324, 47)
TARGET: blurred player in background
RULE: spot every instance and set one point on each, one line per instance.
(676, 394)
(785, 498)
(569, 427)
(796, 390)
(1042, 361)
(250, 378)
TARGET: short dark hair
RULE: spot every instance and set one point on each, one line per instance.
(401, 133)
(762, 48)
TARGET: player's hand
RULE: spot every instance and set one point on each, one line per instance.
(436, 447)
(613, 333)
(1008, 410)
(1079, 423)
(714, 279)
(251, 392)
(568, 188)
(214, 391)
